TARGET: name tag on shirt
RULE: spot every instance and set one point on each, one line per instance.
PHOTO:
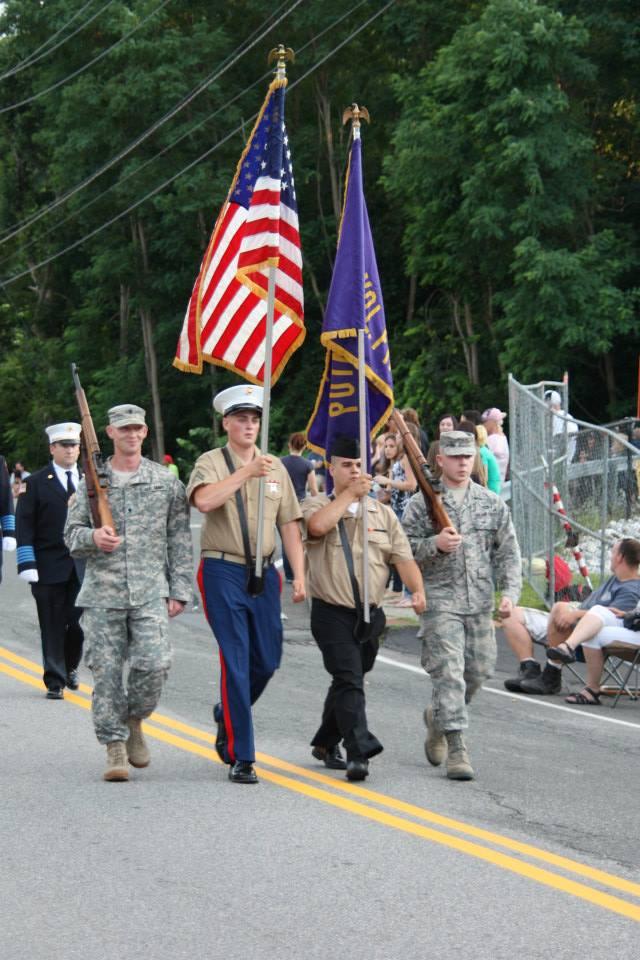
(273, 486)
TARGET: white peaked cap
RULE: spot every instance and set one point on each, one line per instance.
(63, 431)
(246, 396)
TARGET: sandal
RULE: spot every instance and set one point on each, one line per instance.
(583, 701)
(565, 655)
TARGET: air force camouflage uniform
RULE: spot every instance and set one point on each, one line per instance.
(459, 648)
(124, 593)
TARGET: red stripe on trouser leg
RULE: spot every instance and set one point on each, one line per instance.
(225, 709)
(223, 671)
(200, 582)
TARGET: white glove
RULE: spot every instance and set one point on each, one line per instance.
(31, 575)
(9, 544)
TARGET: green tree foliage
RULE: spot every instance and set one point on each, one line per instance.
(506, 222)
(508, 203)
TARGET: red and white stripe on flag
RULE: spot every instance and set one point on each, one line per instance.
(225, 322)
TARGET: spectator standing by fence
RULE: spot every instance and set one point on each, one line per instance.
(496, 439)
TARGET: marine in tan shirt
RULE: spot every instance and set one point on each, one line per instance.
(246, 623)
(349, 647)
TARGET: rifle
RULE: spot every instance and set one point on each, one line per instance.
(95, 473)
(429, 486)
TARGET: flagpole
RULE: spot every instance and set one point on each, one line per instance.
(355, 113)
(364, 460)
(266, 410)
(281, 55)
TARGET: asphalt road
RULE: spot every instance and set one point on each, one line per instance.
(537, 857)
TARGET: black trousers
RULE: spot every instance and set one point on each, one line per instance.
(347, 660)
(60, 629)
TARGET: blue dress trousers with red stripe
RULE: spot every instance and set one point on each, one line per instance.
(249, 634)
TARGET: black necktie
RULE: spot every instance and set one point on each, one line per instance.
(70, 487)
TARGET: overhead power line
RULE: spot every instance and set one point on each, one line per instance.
(233, 58)
(32, 58)
(76, 73)
(194, 163)
(183, 136)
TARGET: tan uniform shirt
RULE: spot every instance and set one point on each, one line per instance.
(327, 575)
(221, 531)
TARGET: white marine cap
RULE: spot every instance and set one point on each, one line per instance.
(243, 397)
(553, 398)
(63, 431)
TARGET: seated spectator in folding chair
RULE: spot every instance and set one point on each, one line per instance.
(599, 628)
(526, 625)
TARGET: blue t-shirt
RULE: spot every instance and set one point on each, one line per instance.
(623, 594)
(298, 469)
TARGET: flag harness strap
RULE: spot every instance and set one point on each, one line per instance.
(361, 630)
(255, 585)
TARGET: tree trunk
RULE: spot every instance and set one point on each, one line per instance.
(150, 356)
(467, 340)
(610, 380)
(326, 132)
(473, 346)
(411, 298)
(124, 320)
(151, 366)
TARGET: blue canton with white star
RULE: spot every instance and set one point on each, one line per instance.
(269, 155)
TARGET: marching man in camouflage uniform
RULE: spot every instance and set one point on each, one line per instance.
(459, 648)
(137, 576)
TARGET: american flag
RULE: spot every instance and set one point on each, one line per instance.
(257, 227)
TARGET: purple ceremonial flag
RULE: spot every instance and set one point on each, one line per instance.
(355, 302)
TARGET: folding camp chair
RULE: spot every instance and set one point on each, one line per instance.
(566, 666)
(617, 654)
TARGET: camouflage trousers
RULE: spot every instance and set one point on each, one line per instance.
(459, 653)
(137, 637)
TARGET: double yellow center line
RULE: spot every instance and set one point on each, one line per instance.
(522, 858)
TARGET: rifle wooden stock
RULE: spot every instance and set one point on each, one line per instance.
(422, 473)
(92, 463)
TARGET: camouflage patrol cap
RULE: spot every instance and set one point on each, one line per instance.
(457, 443)
(126, 414)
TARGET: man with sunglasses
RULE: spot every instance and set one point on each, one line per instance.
(45, 562)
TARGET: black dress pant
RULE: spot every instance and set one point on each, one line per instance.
(347, 660)
(60, 629)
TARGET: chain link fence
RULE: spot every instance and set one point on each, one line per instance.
(574, 489)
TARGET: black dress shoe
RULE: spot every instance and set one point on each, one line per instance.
(72, 680)
(242, 772)
(357, 769)
(221, 735)
(55, 693)
(330, 756)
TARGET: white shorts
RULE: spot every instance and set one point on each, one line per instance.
(612, 631)
(536, 623)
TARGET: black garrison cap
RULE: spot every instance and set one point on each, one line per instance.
(343, 446)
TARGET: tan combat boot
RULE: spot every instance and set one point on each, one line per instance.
(458, 765)
(137, 748)
(435, 746)
(117, 768)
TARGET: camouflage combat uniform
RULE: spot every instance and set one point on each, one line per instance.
(124, 593)
(459, 648)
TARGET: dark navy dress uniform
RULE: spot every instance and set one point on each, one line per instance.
(40, 518)
(248, 629)
(7, 519)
